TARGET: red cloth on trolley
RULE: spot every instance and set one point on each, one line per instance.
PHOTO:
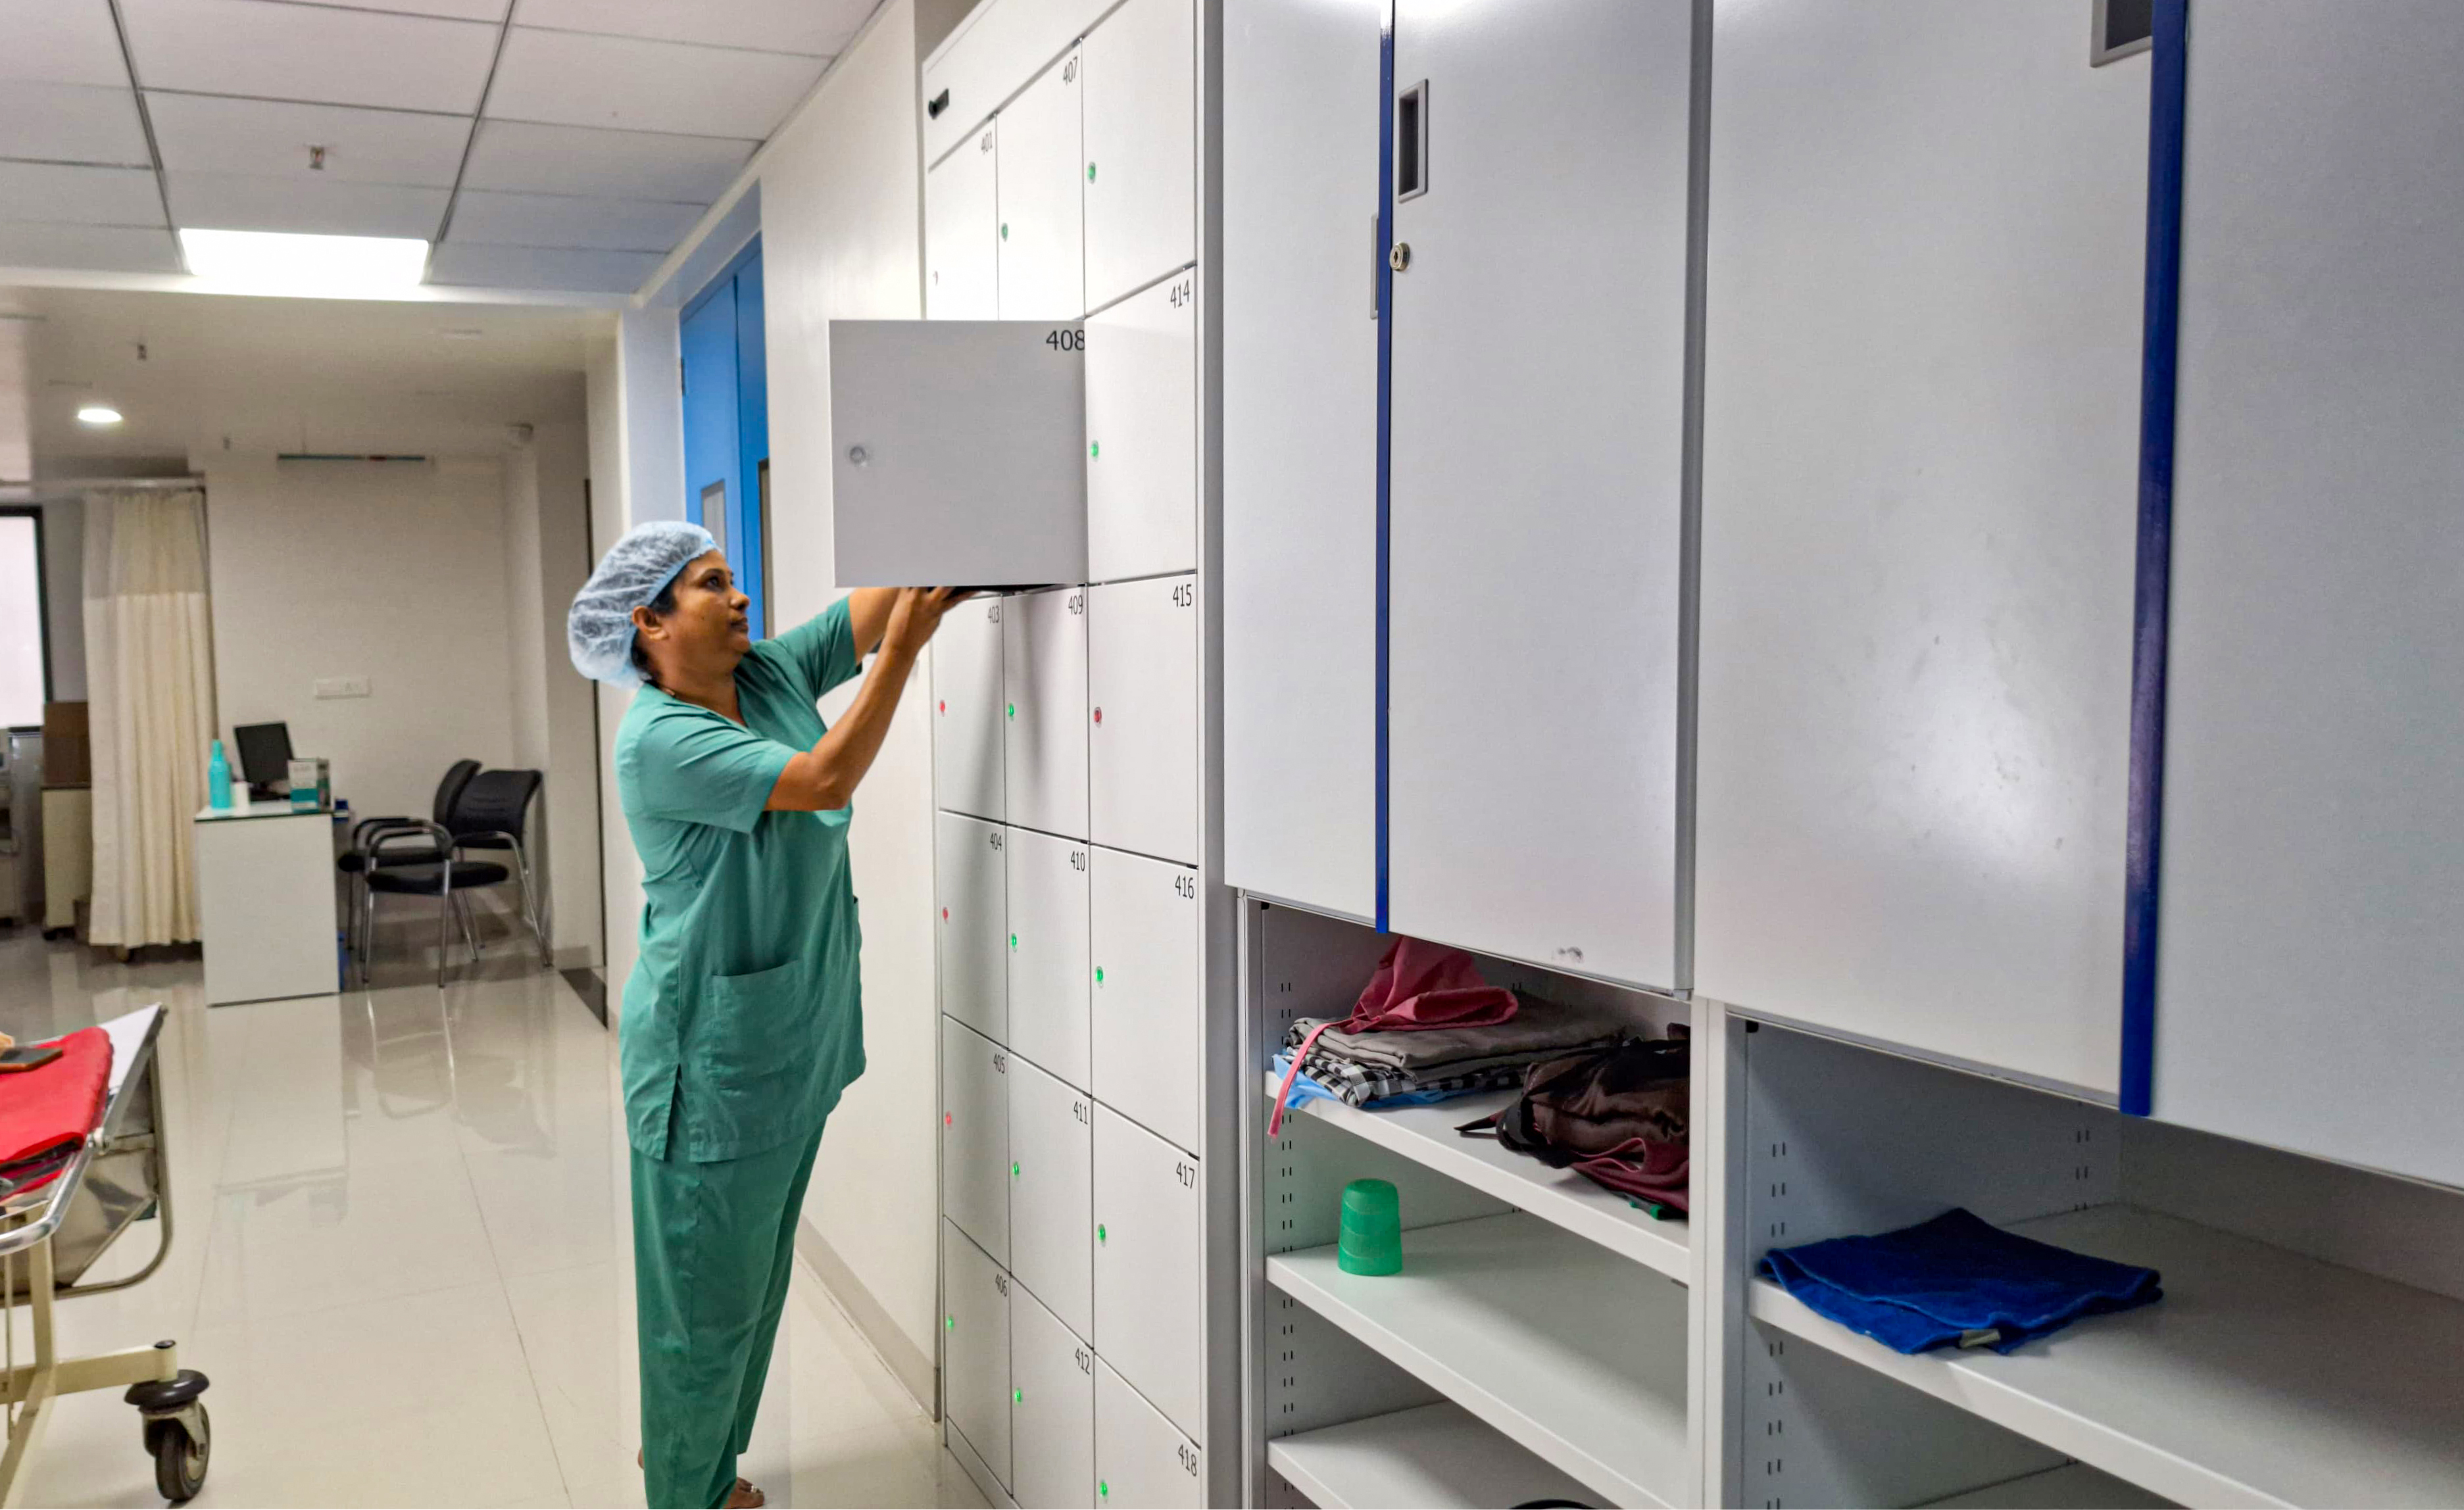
(44, 1110)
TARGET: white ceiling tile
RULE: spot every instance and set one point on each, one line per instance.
(540, 268)
(306, 51)
(820, 27)
(565, 220)
(62, 42)
(580, 160)
(72, 123)
(459, 10)
(86, 196)
(88, 248)
(305, 203)
(207, 133)
(566, 79)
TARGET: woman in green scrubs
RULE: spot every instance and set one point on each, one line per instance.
(741, 1020)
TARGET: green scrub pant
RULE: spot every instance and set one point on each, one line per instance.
(714, 1245)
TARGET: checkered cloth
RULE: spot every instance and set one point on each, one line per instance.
(1359, 1085)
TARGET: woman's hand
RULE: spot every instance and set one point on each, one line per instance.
(916, 615)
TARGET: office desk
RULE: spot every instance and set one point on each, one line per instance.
(265, 890)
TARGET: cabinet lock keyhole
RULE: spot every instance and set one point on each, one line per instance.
(1400, 255)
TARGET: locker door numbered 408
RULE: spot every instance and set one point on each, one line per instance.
(1150, 1298)
(1140, 1458)
(1051, 1195)
(1048, 952)
(970, 881)
(1142, 433)
(975, 1136)
(967, 716)
(1044, 710)
(1142, 918)
(975, 1356)
(1142, 691)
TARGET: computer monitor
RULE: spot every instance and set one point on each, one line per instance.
(264, 757)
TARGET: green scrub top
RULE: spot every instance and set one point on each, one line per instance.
(743, 1020)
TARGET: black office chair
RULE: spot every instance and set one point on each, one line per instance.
(448, 880)
(357, 863)
(493, 814)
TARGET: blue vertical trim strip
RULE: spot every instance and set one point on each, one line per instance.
(2167, 94)
(1385, 415)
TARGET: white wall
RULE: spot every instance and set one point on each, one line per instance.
(841, 217)
(384, 570)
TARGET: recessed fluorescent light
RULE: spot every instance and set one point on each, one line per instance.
(99, 414)
(277, 262)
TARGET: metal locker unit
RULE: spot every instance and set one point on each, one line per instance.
(911, 509)
(1142, 433)
(971, 893)
(1043, 711)
(2312, 895)
(1300, 452)
(967, 718)
(961, 233)
(975, 1356)
(1537, 518)
(1142, 759)
(975, 1137)
(1051, 1195)
(1143, 920)
(1920, 452)
(1048, 952)
(1141, 123)
(1052, 1409)
(1140, 1458)
(1150, 1291)
(1041, 224)
(989, 56)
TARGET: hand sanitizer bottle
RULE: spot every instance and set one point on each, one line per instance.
(218, 790)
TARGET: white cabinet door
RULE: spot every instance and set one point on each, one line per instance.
(975, 1136)
(1042, 262)
(976, 1356)
(1142, 433)
(1920, 498)
(1141, 147)
(1048, 952)
(1300, 452)
(1150, 1295)
(1044, 653)
(1051, 1191)
(1143, 920)
(967, 709)
(1141, 1459)
(961, 278)
(1536, 515)
(969, 877)
(1052, 1408)
(1142, 682)
(2313, 886)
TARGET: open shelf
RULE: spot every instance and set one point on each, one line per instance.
(1436, 1456)
(2261, 1378)
(1426, 1135)
(2072, 1486)
(1564, 1346)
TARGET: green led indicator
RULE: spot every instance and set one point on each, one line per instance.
(1102, 1488)
(1005, 231)
(1099, 1231)
(1091, 172)
(1094, 448)
(950, 1322)
(1013, 710)
(1013, 1172)
(1013, 941)
(1099, 975)
(1018, 1397)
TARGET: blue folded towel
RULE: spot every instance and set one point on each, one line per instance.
(1955, 1279)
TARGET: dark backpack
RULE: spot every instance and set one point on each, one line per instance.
(1616, 1116)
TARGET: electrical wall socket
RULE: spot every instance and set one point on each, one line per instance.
(341, 686)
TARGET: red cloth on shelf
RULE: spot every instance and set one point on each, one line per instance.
(1417, 985)
(43, 1110)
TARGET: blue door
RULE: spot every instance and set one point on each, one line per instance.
(727, 424)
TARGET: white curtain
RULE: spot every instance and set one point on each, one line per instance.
(150, 689)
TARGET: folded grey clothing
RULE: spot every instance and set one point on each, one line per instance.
(1539, 1029)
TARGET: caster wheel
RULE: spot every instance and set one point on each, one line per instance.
(180, 1458)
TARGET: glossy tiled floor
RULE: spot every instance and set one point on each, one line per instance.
(402, 1257)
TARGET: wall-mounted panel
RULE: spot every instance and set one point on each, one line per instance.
(968, 709)
(1044, 710)
(1142, 434)
(1048, 952)
(1142, 146)
(1042, 233)
(1142, 760)
(971, 895)
(961, 233)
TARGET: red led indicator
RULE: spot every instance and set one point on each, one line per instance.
(945, 707)
(945, 1118)
(1099, 715)
(945, 914)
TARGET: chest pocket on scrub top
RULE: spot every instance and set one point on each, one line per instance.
(749, 1057)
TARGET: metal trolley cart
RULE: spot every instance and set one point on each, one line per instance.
(49, 1238)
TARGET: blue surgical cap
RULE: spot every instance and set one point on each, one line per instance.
(599, 631)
